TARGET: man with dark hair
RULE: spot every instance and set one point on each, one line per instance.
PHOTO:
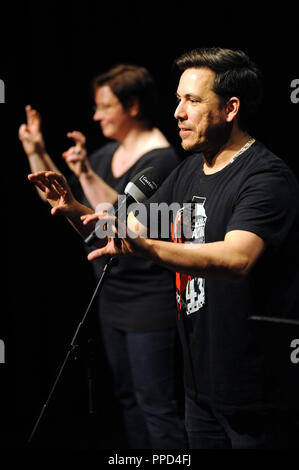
(235, 237)
(235, 75)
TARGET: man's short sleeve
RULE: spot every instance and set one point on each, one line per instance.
(267, 205)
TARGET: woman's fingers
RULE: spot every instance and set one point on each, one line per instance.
(23, 132)
(72, 156)
(33, 117)
(77, 136)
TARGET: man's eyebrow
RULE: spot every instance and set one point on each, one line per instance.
(189, 95)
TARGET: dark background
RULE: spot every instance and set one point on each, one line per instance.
(49, 54)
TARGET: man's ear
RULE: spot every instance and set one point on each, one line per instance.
(232, 107)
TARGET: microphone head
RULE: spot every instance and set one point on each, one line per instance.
(143, 185)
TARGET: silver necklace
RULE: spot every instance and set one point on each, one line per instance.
(245, 147)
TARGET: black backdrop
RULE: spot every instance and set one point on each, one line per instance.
(49, 55)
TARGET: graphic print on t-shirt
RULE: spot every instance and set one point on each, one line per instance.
(189, 227)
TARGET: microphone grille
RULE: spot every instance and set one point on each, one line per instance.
(147, 181)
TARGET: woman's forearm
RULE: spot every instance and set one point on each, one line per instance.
(96, 190)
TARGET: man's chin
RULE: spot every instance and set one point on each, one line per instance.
(189, 147)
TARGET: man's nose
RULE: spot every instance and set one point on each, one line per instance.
(180, 111)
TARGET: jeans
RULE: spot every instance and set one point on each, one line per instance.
(209, 429)
(144, 372)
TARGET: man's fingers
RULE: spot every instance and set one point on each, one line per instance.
(87, 218)
(56, 210)
(97, 253)
(49, 179)
(58, 188)
(40, 185)
(38, 182)
(38, 176)
(57, 178)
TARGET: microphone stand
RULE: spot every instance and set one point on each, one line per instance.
(73, 347)
(142, 186)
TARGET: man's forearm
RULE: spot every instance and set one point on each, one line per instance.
(212, 260)
(41, 162)
(74, 219)
(230, 259)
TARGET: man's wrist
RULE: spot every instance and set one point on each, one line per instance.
(76, 210)
(143, 247)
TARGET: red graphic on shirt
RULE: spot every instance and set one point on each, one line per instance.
(181, 280)
(189, 227)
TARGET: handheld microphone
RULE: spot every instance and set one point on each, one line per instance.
(140, 188)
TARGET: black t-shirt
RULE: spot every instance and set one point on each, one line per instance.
(224, 363)
(137, 295)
